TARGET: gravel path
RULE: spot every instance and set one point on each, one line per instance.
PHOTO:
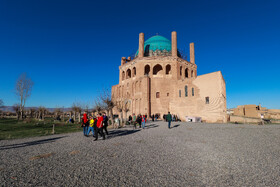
(188, 154)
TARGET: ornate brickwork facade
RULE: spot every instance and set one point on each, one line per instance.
(158, 80)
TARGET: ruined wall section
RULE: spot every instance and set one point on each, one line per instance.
(212, 85)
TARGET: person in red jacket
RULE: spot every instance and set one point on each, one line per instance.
(85, 124)
(99, 127)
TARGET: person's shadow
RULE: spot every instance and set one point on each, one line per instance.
(25, 144)
(175, 126)
(151, 126)
(121, 132)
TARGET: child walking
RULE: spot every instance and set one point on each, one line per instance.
(91, 123)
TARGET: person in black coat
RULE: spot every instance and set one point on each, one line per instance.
(105, 122)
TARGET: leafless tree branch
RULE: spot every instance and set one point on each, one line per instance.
(23, 90)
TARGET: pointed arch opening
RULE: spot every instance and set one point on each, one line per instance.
(186, 73)
(168, 69)
(181, 68)
(128, 74)
(134, 72)
(157, 70)
(147, 70)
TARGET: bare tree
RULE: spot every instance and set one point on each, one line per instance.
(16, 108)
(107, 102)
(98, 105)
(119, 107)
(86, 107)
(63, 114)
(32, 112)
(23, 90)
(123, 106)
(77, 109)
(126, 107)
(57, 112)
(42, 112)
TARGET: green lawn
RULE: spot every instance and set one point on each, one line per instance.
(12, 128)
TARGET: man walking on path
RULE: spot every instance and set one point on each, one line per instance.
(99, 127)
(105, 122)
(143, 121)
(168, 119)
(134, 120)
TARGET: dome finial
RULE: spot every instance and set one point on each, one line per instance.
(157, 33)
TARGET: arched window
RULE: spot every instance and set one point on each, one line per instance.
(192, 91)
(168, 69)
(186, 91)
(128, 74)
(157, 69)
(181, 70)
(147, 70)
(134, 72)
(157, 94)
(123, 74)
(206, 100)
(192, 74)
(186, 72)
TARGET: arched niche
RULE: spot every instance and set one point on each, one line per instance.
(181, 68)
(128, 74)
(147, 70)
(168, 69)
(157, 70)
(134, 72)
(186, 72)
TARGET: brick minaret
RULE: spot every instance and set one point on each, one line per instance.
(192, 53)
(174, 43)
(141, 45)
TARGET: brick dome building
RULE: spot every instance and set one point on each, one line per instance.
(159, 80)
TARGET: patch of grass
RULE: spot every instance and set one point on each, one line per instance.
(12, 128)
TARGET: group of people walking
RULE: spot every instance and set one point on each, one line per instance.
(141, 120)
(96, 125)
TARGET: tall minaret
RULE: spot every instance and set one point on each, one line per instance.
(141, 45)
(192, 53)
(174, 43)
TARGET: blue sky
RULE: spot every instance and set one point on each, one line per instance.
(72, 49)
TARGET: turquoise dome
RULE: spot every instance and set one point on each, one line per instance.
(156, 43)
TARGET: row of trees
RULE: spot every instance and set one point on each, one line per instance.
(103, 102)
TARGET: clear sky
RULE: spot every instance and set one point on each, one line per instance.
(72, 49)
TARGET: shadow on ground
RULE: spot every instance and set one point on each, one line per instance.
(121, 132)
(25, 144)
(175, 126)
(151, 126)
